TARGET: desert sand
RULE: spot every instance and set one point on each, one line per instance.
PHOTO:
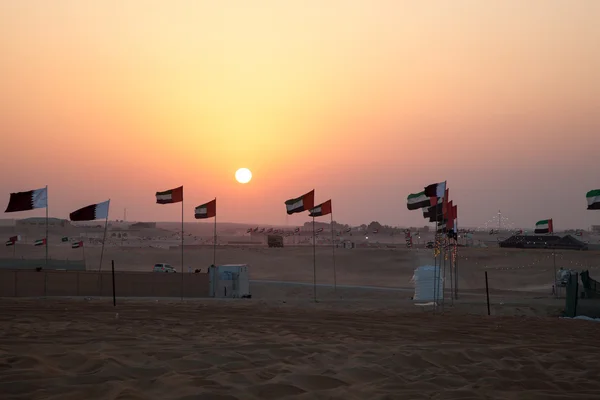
(364, 340)
(256, 349)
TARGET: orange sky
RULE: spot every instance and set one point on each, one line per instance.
(364, 101)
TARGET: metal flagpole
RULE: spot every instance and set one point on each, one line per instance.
(182, 243)
(215, 238)
(46, 226)
(333, 248)
(104, 238)
(456, 265)
(314, 261)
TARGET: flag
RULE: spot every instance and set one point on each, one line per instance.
(297, 230)
(319, 230)
(91, 212)
(300, 204)
(76, 245)
(249, 230)
(376, 231)
(64, 239)
(415, 201)
(15, 238)
(261, 230)
(593, 199)
(434, 213)
(170, 196)
(449, 215)
(10, 243)
(445, 203)
(39, 242)
(455, 217)
(321, 209)
(348, 230)
(269, 230)
(207, 210)
(544, 226)
(435, 190)
(30, 200)
(255, 229)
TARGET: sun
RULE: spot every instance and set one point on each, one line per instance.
(243, 175)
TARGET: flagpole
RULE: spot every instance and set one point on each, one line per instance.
(46, 226)
(456, 265)
(333, 248)
(182, 243)
(83, 249)
(103, 239)
(215, 237)
(314, 262)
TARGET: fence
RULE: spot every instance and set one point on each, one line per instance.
(30, 283)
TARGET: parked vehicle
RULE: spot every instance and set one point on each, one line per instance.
(162, 267)
(275, 241)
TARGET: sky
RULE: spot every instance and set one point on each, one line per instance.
(363, 101)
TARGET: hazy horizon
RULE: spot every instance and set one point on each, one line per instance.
(365, 102)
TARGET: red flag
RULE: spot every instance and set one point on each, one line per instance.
(450, 216)
(445, 205)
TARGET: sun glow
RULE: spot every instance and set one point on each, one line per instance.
(243, 175)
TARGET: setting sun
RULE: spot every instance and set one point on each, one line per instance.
(243, 175)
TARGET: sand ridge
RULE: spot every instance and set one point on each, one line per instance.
(73, 349)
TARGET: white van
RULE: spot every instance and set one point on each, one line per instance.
(161, 267)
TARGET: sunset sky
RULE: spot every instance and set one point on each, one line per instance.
(364, 101)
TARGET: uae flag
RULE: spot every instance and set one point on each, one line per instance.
(30, 200)
(91, 212)
(76, 245)
(64, 239)
(207, 210)
(300, 204)
(15, 238)
(319, 230)
(434, 213)
(10, 243)
(321, 209)
(593, 199)
(544, 226)
(348, 230)
(435, 190)
(170, 196)
(39, 242)
(249, 230)
(297, 230)
(418, 200)
(269, 230)
(255, 229)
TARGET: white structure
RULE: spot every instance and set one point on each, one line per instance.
(428, 284)
(229, 280)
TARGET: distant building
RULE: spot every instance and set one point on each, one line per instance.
(7, 222)
(596, 229)
(41, 221)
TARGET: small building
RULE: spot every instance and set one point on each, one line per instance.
(41, 221)
(230, 280)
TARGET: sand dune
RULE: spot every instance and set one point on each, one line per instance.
(74, 349)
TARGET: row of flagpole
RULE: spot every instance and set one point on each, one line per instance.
(306, 202)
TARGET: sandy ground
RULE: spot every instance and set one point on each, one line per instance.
(264, 349)
(354, 343)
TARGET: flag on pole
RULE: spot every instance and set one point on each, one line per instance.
(207, 210)
(436, 190)
(321, 209)
(76, 245)
(170, 196)
(544, 226)
(10, 243)
(24, 201)
(300, 204)
(593, 199)
(249, 230)
(319, 230)
(15, 238)
(256, 229)
(91, 212)
(296, 230)
(40, 242)
(418, 200)
(64, 239)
